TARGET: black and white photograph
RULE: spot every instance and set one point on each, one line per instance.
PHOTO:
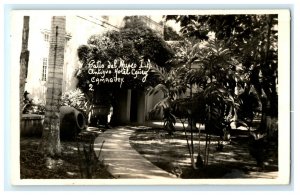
(160, 97)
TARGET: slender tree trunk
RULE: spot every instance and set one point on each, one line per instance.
(187, 139)
(199, 162)
(192, 146)
(190, 122)
(206, 149)
(24, 57)
(50, 143)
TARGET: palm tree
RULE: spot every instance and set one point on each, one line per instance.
(50, 143)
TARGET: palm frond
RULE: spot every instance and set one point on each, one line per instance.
(158, 71)
(161, 105)
(158, 88)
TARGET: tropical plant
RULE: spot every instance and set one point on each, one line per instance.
(216, 76)
(186, 55)
(76, 99)
(171, 84)
(213, 101)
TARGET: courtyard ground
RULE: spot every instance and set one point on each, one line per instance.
(170, 152)
(71, 164)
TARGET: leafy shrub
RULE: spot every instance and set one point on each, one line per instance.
(76, 99)
(33, 106)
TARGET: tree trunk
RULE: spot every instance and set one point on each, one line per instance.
(50, 143)
(270, 101)
(24, 57)
(192, 146)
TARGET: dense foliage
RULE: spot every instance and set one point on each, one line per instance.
(132, 43)
(171, 35)
(252, 39)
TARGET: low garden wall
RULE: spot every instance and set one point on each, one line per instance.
(32, 125)
(72, 122)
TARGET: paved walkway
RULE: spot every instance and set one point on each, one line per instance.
(122, 160)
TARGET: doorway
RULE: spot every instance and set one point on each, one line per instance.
(134, 106)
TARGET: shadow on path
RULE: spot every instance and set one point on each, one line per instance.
(122, 160)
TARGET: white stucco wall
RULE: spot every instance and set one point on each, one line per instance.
(38, 49)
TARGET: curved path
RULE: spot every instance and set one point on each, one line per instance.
(122, 160)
